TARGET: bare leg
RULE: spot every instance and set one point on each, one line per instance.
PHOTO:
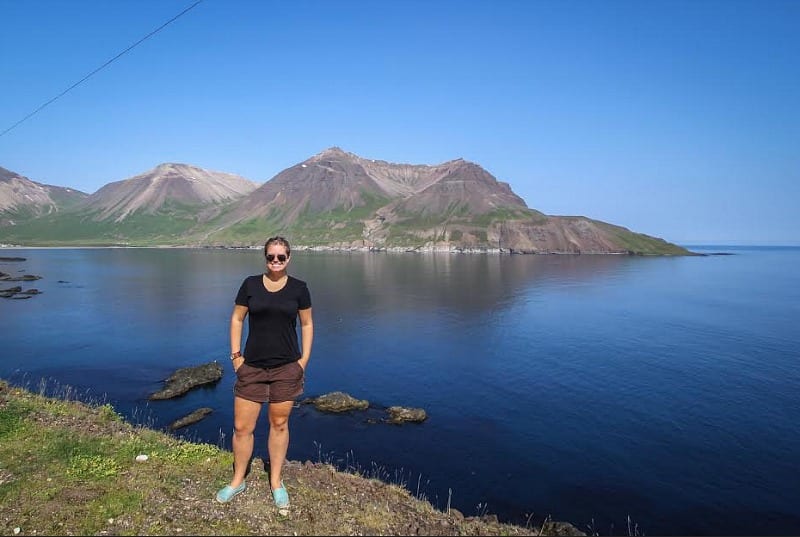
(278, 442)
(245, 416)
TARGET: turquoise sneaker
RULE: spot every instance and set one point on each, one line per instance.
(227, 493)
(281, 497)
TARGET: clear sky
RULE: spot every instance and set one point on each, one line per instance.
(679, 119)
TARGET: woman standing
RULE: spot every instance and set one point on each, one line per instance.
(272, 368)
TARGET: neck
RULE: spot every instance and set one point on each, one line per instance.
(275, 276)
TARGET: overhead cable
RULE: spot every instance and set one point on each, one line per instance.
(109, 62)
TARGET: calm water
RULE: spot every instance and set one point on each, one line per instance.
(587, 388)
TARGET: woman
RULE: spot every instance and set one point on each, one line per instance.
(272, 368)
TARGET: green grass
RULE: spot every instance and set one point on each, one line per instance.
(176, 224)
(69, 468)
(82, 229)
(12, 418)
(39, 446)
(641, 244)
(341, 225)
(417, 228)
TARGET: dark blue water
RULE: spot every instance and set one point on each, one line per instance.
(587, 388)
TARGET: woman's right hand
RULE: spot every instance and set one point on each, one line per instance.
(237, 363)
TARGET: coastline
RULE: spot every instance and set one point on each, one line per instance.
(76, 468)
(347, 249)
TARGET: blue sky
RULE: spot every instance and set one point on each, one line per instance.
(678, 119)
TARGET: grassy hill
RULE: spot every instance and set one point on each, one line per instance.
(69, 468)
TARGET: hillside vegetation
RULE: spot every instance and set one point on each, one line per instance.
(70, 468)
(334, 200)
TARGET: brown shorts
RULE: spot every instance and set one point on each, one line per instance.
(273, 385)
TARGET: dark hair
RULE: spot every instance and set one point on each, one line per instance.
(278, 240)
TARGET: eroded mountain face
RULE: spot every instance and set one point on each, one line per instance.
(21, 198)
(176, 185)
(333, 199)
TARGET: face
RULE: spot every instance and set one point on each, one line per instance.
(277, 258)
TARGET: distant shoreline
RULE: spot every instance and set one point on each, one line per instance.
(422, 250)
(333, 249)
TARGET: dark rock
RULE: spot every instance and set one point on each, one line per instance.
(194, 417)
(338, 402)
(559, 528)
(25, 278)
(186, 378)
(11, 291)
(17, 292)
(30, 292)
(401, 414)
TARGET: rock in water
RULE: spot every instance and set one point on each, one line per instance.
(9, 292)
(401, 414)
(186, 378)
(194, 417)
(338, 402)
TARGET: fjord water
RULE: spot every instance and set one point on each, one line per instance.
(587, 388)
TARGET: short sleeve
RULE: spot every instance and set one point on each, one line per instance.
(304, 298)
(243, 295)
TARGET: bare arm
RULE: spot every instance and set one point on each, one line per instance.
(237, 323)
(306, 334)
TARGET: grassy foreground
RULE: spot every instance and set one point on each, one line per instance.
(70, 468)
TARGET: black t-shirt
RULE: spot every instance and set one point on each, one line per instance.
(272, 336)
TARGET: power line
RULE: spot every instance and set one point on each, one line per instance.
(109, 62)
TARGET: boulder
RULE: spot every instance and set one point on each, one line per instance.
(18, 293)
(559, 528)
(9, 292)
(23, 278)
(338, 402)
(401, 414)
(30, 292)
(194, 417)
(186, 378)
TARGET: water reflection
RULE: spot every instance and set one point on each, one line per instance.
(463, 283)
(544, 376)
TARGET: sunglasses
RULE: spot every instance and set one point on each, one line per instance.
(281, 258)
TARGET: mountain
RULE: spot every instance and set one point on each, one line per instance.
(333, 199)
(166, 188)
(22, 199)
(157, 207)
(338, 199)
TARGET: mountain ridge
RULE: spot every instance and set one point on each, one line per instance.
(333, 199)
(168, 182)
(22, 198)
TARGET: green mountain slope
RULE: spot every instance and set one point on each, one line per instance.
(334, 200)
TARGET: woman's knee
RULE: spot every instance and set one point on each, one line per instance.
(279, 423)
(243, 427)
